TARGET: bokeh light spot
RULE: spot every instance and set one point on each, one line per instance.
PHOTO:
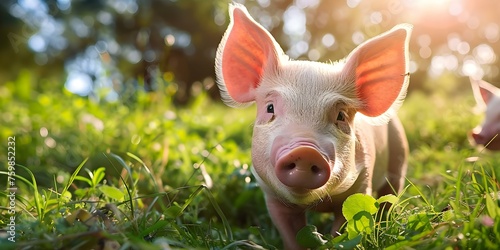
(37, 43)
(491, 32)
(328, 40)
(358, 37)
(79, 83)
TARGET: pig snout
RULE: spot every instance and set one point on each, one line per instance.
(489, 140)
(479, 138)
(302, 167)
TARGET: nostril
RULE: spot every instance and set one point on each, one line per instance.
(315, 169)
(290, 166)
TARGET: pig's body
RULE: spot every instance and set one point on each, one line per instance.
(488, 99)
(381, 154)
(322, 131)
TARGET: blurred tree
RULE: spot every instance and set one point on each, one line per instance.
(111, 45)
(110, 49)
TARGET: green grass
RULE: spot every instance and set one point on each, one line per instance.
(153, 176)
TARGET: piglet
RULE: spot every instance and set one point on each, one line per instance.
(323, 131)
(487, 98)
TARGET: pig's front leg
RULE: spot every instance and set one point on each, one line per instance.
(288, 219)
(337, 223)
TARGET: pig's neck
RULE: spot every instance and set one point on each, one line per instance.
(364, 158)
(366, 152)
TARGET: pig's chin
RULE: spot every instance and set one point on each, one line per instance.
(298, 196)
(307, 197)
(303, 196)
(494, 145)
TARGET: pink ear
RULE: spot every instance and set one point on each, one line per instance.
(485, 94)
(483, 91)
(380, 68)
(246, 51)
(487, 90)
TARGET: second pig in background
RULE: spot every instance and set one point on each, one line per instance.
(488, 101)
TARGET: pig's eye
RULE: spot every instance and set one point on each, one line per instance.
(341, 116)
(342, 123)
(270, 108)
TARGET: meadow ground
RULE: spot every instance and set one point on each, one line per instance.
(93, 174)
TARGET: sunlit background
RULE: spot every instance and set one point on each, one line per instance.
(106, 50)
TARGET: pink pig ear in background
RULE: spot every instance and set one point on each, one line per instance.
(246, 52)
(483, 92)
(380, 69)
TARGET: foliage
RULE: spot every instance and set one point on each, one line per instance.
(155, 176)
(121, 45)
(87, 153)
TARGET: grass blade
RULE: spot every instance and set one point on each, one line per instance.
(37, 198)
(73, 176)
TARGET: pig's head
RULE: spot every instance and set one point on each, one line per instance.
(487, 98)
(304, 139)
